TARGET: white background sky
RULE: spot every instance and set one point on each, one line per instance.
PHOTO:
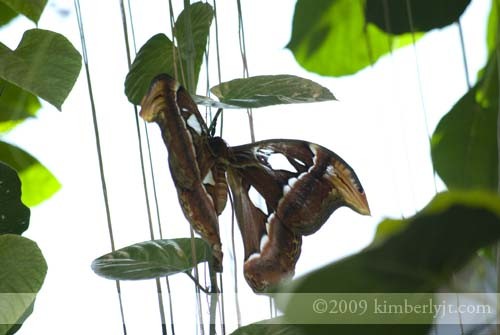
(377, 126)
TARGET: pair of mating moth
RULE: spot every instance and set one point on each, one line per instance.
(297, 202)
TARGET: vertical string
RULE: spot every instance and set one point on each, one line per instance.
(495, 4)
(176, 56)
(243, 51)
(99, 152)
(153, 180)
(464, 55)
(143, 171)
(389, 143)
(419, 81)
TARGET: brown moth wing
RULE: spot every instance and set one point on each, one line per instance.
(271, 250)
(185, 135)
(316, 183)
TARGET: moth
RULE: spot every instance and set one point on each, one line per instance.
(297, 200)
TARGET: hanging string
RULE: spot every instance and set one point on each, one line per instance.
(243, 51)
(153, 180)
(419, 81)
(389, 158)
(99, 152)
(176, 56)
(235, 263)
(464, 55)
(143, 171)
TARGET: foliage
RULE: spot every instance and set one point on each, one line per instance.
(157, 55)
(341, 37)
(22, 263)
(152, 259)
(45, 64)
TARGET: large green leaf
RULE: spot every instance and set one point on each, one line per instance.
(14, 215)
(191, 31)
(434, 244)
(492, 31)
(392, 15)
(45, 63)
(32, 9)
(332, 38)
(151, 259)
(263, 91)
(16, 105)
(156, 56)
(6, 14)
(464, 144)
(38, 183)
(269, 327)
(23, 272)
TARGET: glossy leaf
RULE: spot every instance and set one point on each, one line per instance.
(45, 63)
(6, 14)
(268, 327)
(453, 226)
(191, 32)
(156, 56)
(14, 215)
(392, 15)
(32, 9)
(261, 91)
(23, 272)
(151, 259)
(464, 144)
(492, 31)
(38, 183)
(16, 105)
(332, 37)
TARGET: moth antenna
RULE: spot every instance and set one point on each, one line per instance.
(213, 124)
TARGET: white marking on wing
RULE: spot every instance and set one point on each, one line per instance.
(286, 189)
(314, 151)
(279, 161)
(292, 181)
(263, 242)
(330, 170)
(209, 178)
(302, 175)
(192, 122)
(257, 200)
(252, 256)
(184, 109)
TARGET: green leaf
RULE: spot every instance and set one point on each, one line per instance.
(392, 15)
(14, 215)
(16, 105)
(23, 272)
(435, 243)
(492, 30)
(32, 9)
(6, 14)
(151, 259)
(464, 145)
(269, 327)
(261, 91)
(45, 63)
(156, 56)
(191, 31)
(454, 226)
(38, 184)
(332, 38)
